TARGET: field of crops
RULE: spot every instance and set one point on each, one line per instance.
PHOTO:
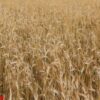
(50, 49)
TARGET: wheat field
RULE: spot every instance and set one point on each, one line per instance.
(50, 49)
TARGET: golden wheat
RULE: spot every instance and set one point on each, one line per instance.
(50, 50)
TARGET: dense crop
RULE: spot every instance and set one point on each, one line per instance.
(50, 50)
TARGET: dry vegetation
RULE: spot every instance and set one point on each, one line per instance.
(50, 50)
